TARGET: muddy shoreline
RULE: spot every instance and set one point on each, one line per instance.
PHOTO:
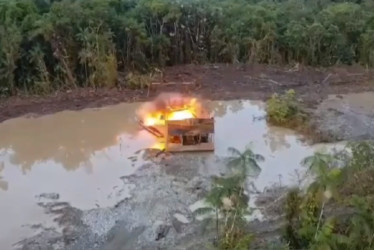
(135, 223)
(135, 198)
(215, 82)
(157, 213)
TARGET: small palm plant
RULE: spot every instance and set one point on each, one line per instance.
(246, 162)
(328, 176)
(324, 167)
(318, 162)
(227, 206)
(228, 203)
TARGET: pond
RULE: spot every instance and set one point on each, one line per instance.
(80, 157)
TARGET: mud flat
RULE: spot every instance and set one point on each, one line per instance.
(347, 117)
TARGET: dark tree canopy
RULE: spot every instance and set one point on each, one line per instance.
(54, 44)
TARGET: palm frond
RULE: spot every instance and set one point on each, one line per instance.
(234, 151)
(204, 211)
(248, 153)
(258, 157)
(252, 168)
(234, 162)
(307, 161)
(254, 174)
(214, 197)
(227, 181)
(318, 162)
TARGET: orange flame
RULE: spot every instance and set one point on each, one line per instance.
(159, 118)
(180, 115)
(184, 109)
(169, 107)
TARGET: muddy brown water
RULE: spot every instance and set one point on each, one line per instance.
(81, 155)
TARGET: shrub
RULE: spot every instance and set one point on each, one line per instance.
(284, 110)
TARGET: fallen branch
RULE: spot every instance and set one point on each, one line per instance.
(272, 81)
(326, 78)
(265, 80)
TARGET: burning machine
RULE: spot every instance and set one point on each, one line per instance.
(194, 134)
(183, 127)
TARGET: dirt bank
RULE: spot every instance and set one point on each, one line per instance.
(223, 82)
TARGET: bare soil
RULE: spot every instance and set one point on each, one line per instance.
(215, 82)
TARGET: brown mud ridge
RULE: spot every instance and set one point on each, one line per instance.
(215, 82)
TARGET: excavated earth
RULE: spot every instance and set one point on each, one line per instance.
(157, 212)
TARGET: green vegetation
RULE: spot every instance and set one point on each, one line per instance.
(337, 210)
(285, 110)
(228, 204)
(245, 163)
(57, 44)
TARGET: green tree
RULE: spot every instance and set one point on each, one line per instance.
(10, 40)
(85, 42)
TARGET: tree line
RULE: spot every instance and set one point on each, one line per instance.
(58, 44)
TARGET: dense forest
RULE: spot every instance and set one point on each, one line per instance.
(49, 44)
